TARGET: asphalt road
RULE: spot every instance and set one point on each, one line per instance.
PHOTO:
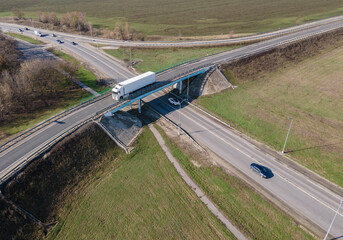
(300, 193)
(311, 200)
(253, 38)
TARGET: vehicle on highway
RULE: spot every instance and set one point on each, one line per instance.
(123, 89)
(174, 101)
(263, 171)
(59, 41)
(20, 30)
(53, 35)
(38, 33)
(74, 43)
(27, 29)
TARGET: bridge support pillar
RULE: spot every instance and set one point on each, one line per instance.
(140, 105)
(180, 87)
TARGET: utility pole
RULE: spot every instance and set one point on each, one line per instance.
(289, 130)
(327, 234)
(179, 133)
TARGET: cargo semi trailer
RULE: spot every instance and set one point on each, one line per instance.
(125, 88)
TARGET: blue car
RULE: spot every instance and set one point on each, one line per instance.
(263, 171)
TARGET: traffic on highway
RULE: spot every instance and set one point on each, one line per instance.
(306, 198)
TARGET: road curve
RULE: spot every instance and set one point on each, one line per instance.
(312, 200)
(252, 38)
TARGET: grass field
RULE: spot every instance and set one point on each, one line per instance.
(97, 191)
(250, 212)
(25, 38)
(190, 17)
(142, 197)
(158, 59)
(311, 93)
(82, 74)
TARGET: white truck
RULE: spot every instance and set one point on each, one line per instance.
(38, 33)
(123, 89)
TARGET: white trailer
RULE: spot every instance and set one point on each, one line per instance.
(123, 89)
(38, 33)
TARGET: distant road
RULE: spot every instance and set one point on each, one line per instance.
(305, 197)
(253, 38)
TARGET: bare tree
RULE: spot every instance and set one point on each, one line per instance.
(52, 18)
(17, 13)
(119, 31)
(75, 20)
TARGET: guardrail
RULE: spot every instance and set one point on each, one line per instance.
(37, 153)
(46, 147)
(39, 126)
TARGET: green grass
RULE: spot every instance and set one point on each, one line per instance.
(139, 196)
(310, 92)
(250, 212)
(82, 74)
(191, 17)
(25, 38)
(158, 59)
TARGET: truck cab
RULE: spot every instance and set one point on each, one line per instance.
(117, 92)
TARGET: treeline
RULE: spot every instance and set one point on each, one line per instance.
(78, 21)
(26, 86)
(73, 20)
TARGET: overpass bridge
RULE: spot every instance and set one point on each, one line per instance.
(151, 89)
(12, 170)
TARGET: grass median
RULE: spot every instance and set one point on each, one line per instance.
(160, 58)
(25, 38)
(82, 74)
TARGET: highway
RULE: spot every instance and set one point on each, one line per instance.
(295, 190)
(309, 199)
(120, 43)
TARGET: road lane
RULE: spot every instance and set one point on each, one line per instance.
(306, 197)
(256, 37)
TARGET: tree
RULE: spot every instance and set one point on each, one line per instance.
(119, 31)
(19, 14)
(52, 18)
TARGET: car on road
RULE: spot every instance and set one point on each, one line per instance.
(174, 101)
(74, 43)
(59, 41)
(53, 35)
(263, 171)
(27, 29)
(21, 30)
